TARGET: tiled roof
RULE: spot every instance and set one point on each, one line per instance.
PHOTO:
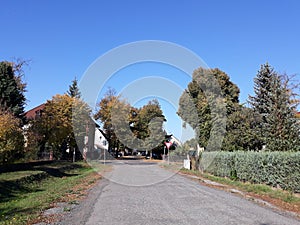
(32, 113)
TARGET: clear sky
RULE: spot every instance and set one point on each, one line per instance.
(62, 38)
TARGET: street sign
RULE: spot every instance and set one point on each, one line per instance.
(168, 144)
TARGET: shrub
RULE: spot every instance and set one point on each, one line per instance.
(277, 169)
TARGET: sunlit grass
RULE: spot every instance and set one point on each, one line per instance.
(24, 201)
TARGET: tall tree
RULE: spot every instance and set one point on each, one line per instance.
(273, 102)
(260, 102)
(130, 127)
(12, 90)
(241, 133)
(63, 120)
(149, 126)
(103, 114)
(201, 108)
(74, 91)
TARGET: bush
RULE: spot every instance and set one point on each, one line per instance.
(277, 169)
(11, 137)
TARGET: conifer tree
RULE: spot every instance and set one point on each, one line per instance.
(74, 90)
(277, 125)
(260, 102)
(12, 89)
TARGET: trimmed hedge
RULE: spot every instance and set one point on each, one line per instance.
(277, 169)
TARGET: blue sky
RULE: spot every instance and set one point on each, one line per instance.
(62, 38)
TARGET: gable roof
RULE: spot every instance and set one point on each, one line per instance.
(32, 113)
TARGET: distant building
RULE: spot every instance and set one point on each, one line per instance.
(175, 141)
(35, 113)
(100, 141)
(99, 137)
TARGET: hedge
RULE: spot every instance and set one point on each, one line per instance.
(277, 169)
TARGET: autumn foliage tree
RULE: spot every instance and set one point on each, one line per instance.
(11, 137)
(63, 120)
(130, 127)
(12, 101)
(105, 107)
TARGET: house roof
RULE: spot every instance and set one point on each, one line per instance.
(31, 114)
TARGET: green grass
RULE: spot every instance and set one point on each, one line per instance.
(260, 189)
(25, 194)
(17, 175)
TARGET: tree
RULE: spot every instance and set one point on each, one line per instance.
(149, 126)
(240, 133)
(63, 120)
(188, 145)
(128, 127)
(201, 105)
(12, 89)
(11, 137)
(260, 102)
(281, 126)
(103, 114)
(74, 90)
(274, 104)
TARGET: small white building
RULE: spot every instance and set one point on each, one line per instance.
(100, 141)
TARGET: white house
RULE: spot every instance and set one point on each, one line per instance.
(100, 141)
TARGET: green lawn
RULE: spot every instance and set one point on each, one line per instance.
(26, 193)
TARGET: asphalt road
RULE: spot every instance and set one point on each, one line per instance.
(135, 193)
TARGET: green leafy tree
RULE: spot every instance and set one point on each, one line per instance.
(241, 133)
(149, 126)
(201, 106)
(12, 90)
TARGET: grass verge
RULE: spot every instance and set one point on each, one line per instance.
(277, 197)
(26, 194)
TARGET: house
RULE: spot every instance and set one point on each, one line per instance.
(95, 133)
(30, 115)
(100, 141)
(35, 113)
(175, 141)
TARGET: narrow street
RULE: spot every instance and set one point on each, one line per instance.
(139, 193)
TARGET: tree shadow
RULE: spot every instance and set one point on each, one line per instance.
(13, 189)
(55, 172)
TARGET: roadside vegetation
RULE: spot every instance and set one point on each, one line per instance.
(282, 199)
(30, 188)
(259, 142)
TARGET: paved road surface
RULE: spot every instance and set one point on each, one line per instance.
(121, 199)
